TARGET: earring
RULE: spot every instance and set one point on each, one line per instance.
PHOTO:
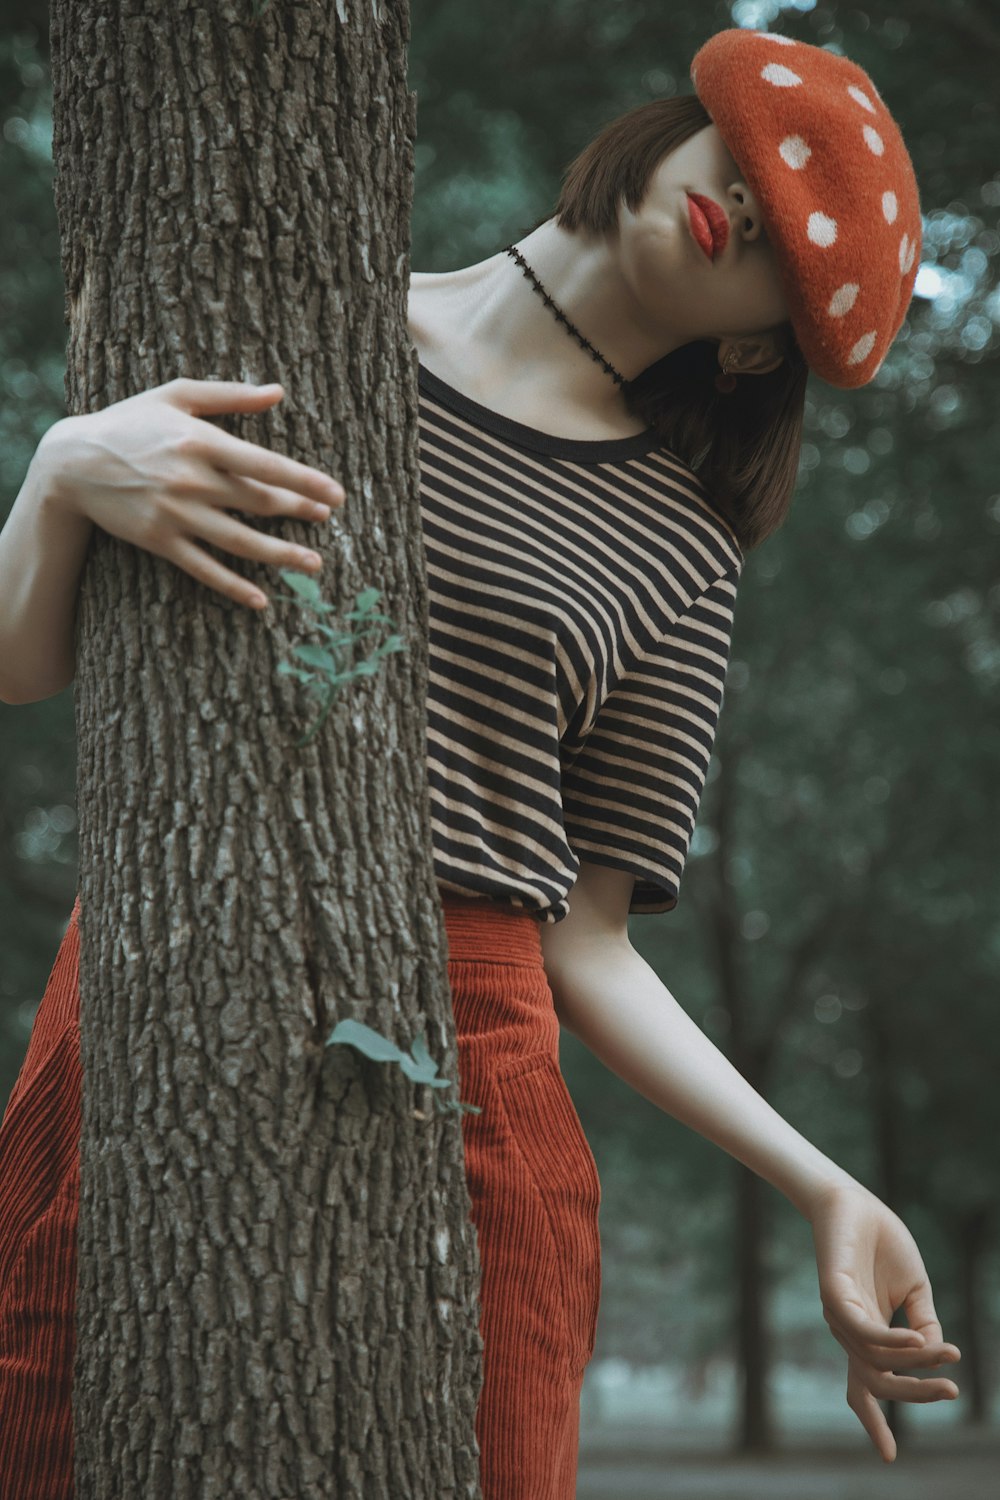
(726, 380)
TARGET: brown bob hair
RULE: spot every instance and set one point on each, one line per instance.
(743, 446)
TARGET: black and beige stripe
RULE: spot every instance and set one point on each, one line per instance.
(581, 598)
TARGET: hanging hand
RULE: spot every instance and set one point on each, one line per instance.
(869, 1265)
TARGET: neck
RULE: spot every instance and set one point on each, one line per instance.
(582, 276)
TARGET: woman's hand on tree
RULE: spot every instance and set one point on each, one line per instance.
(153, 472)
(869, 1266)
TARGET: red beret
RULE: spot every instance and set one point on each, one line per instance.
(835, 183)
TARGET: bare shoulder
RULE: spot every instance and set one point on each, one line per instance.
(427, 314)
(420, 300)
(434, 294)
(439, 305)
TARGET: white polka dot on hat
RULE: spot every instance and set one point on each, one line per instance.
(835, 184)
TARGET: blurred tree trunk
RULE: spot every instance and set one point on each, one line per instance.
(756, 1430)
(278, 1275)
(756, 1427)
(975, 1242)
(756, 1028)
(887, 1154)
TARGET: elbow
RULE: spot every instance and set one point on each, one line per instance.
(17, 696)
(583, 984)
(562, 1014)
(559, 1000)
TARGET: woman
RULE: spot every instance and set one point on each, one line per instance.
(610, 418)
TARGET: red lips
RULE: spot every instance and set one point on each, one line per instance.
(709, 224)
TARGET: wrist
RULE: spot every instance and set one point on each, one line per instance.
(51, 469)
(816, 1197)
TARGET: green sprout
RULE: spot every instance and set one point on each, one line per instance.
(326, 670)
(328, 667)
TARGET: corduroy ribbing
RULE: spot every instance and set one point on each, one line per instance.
(533, 1187)
(508, 936)
(39, 1196)
(535, 1195)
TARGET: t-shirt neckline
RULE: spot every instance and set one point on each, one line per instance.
(596, 450)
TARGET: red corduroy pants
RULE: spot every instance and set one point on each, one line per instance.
(532, 1180)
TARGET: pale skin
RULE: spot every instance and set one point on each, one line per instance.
(155, 471)
(636, 295)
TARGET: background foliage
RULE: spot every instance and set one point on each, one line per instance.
(848, 833)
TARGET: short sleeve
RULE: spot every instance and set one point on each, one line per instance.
(631, 792)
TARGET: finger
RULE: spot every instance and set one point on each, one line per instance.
(885, 1359)
(911, 1388)
(921, 1314)
(872, 1419)
(226, 532)
(214, 396)
(249, 460)
(193, 560)
(857, 1325)
(236, 493)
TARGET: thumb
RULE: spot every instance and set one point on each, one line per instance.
(921, 1314)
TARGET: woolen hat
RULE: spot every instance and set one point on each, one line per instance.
(827, 164)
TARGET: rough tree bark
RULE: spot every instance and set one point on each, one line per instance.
(278, 1275)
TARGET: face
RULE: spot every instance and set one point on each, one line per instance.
(684, 293)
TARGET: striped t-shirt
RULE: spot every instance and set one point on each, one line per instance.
(581, 597)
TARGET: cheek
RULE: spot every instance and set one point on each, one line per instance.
(775, 300)
(771, 290)
(659, 265)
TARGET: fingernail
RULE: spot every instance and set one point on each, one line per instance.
(321, 513)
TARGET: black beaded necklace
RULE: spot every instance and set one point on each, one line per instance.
(561, 316)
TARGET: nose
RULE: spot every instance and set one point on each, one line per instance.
(745, 217)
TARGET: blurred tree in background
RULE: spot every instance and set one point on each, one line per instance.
(837, 933)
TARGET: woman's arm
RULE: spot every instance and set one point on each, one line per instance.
(618, 1007)
(42, 550)
(153, 471)
(606, 994)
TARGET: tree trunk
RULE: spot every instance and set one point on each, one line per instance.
(755, 1421)
(887, 1157)
(974, 1229)
(278, 1275)
(756, 1429)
